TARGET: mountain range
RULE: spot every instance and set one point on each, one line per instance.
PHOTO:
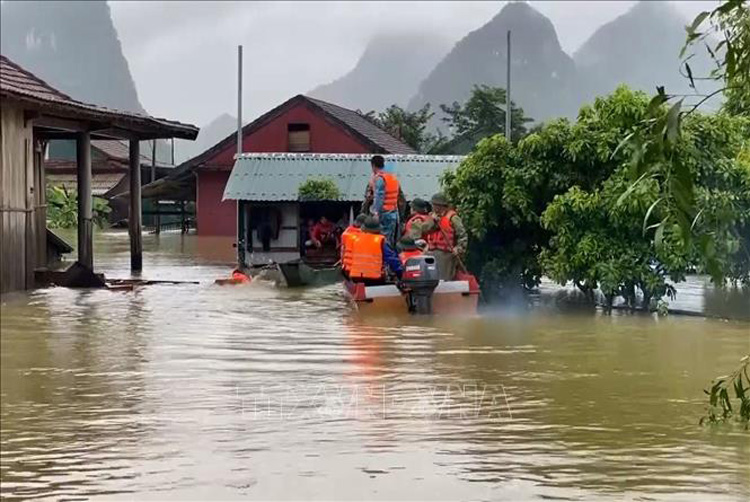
(640, 48)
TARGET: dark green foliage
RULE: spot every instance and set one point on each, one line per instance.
(484, 114)
(409, 127)
(561, 203)
(724, 391)
(319, 189)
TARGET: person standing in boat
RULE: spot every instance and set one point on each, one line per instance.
(447, 240)
(420, 222)
(372, 255)
(385, 190)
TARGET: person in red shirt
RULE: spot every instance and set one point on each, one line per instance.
(324, 232)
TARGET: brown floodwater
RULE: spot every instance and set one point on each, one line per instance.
(209, 392)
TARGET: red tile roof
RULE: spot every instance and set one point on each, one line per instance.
(21, 85)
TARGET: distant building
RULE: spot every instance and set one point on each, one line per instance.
(301, 124)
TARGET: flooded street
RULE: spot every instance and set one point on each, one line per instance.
(201, 391)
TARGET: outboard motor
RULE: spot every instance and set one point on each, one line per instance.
(419, 280)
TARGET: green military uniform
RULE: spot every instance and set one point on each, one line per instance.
(447, 262)
(419, 229)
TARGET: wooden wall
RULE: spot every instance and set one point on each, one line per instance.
(18, 200)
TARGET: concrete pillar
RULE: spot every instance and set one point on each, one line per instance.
(85, 223)
(134, 218)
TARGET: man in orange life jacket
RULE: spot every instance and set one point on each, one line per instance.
(347, 238)
(385, 189)
(447, 241)
(420, 222)
(371, 255)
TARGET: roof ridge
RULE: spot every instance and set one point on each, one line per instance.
(32, 76)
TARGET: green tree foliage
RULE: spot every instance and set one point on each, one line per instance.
(318, 189)
(561, 203)
(654, 145)
(502, 190)
(409, 127)
(720, 408)
(484, 115)
(62, 208)
(725, 34)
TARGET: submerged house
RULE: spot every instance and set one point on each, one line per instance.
(300, 125)
(32, 113)
(265, 188)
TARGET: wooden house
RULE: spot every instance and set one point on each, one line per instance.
(31, 113)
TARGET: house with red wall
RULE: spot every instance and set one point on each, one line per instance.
(301, 124)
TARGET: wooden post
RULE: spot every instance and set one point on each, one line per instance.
(134, 219)
(85, 224)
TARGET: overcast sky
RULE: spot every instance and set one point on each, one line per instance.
(183, 54)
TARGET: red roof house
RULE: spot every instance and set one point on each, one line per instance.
(301, 124)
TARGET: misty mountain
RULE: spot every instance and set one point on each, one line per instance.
(543, 75)
(387, 73)
(73, 46)
(640, 48)
(210, 134)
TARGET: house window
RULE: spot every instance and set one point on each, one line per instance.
(299, 137)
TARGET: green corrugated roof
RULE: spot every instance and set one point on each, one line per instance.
(277, 176)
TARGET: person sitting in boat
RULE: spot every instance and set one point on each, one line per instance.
(420, 222)
(372, 256)
(323, 233)
(448, 239)
(347, 237)
(408, 248)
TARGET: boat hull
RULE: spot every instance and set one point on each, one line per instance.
(297, 273)
(449, 298)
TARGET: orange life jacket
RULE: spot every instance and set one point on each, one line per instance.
(239, 277)
(390, 202)
(347, 239)
(415, 218)
(405, 255)
(367, 256)
(443, 238)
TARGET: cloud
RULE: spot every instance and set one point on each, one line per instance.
(183, 54)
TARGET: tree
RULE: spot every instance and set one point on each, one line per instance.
(653, 145)
(409, 127)
(484, 114)
(560, 203)
(501, 190)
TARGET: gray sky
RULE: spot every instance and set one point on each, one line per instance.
(183, 54)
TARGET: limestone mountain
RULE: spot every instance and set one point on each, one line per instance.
(641, 49)
(72, 45)
(387, 73)
(543, 75)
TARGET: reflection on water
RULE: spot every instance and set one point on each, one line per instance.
(201, 391)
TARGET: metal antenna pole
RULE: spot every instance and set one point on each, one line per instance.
(508, 109)
(241, 260)
(239, 99)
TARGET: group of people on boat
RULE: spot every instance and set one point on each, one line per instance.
(376, 244)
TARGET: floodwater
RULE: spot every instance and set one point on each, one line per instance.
(208, 392)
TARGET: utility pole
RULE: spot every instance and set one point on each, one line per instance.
(507, 94)
(241, 261)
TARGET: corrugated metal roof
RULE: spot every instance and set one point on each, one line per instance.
(277, 176)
